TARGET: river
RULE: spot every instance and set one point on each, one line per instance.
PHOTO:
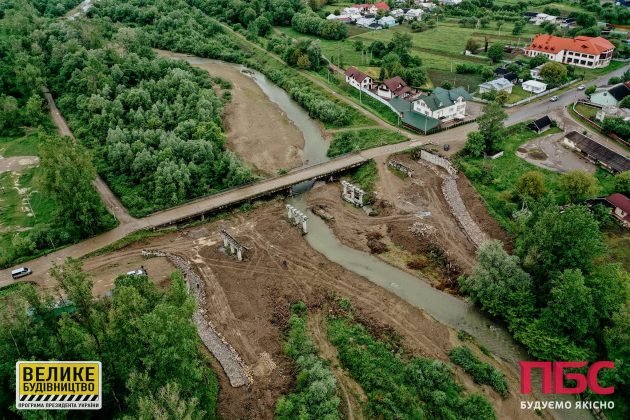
(449, 310)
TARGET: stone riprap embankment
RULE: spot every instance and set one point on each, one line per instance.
(230, 361)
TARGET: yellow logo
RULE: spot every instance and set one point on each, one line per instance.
(58, 386)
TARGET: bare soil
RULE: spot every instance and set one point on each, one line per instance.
(249, 301)
(257, 129)
(404, 204)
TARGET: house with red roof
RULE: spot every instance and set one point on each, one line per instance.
(621, 207)
(372, 8)
(358, 79)
(394, 87)
(581, 51)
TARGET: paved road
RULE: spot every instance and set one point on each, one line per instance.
(455, 137)
(545, 106)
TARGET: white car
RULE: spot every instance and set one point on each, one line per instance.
(138, 272)
(553, 99)
(21, 272)
(581, 87)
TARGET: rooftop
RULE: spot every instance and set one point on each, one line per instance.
(619, 200)
(442, 98)
(582, 44)
(418, 121)
(356, 74)
(380, 5)
(599, 152)
(497, 84)
(620, 91)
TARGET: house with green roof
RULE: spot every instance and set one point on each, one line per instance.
(443, 104)
(410, 118)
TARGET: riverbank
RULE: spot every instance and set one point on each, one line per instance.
(248, 302)
(257, 130)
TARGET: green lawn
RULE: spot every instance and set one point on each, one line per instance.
(355, 140)
(588, 111)
(518, 94)
(495, 180)
(565, 9)
(15, 214)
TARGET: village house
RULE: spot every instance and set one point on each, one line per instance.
(597, 152)
(540, 125)
(394, 87)
(497, 85)
(443, 105)
(621, 208)
(535, 72)
(365, 22)
(358, 79)
(542, 18)
(387, 22)
(414, 14)
(612, 111)
(396, 13)
(611, 96)
(582, 51)
(534, 86)
(372, 8)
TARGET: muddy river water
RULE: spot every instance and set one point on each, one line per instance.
(445, 308)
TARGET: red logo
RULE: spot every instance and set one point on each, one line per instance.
(553, 377)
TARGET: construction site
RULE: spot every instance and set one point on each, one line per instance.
(247, 267)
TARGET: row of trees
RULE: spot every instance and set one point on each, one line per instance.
(153, 365)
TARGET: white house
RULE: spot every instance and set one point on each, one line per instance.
(365, 22)
(582, 51)
(451, 2)
(444, 105)
(387, 22)
(498, 85)
(394, 87)
(613, 111)
(396, 13)
(351, 11)
(542, 18)
(358, 79)
(534, 86)
(414, 14)
(535, 72)
(332, 16)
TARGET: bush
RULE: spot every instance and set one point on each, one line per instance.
(482, 373)
(316, 387)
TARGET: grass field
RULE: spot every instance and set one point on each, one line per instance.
(356, 140)
(14, 212)
(518, 94)
(495, 180)
(588, 111)
(441, 48)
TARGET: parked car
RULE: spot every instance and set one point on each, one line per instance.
(553, 99)
(21, 272)
(581, 87)
(447, 147)
(139, 272)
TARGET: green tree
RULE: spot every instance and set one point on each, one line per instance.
(495, 52)
(622, 182)
(617, 339)
(590, 90)
(570, 296)
(610, 288)
(553, 242)
(34, 110)
(491, 126)
(501, 97)
(499, 284)
(553, 73)
(578, 185)
(518, 27)
(625, 102)
(531, 184)
(475, 144)
(67, 175)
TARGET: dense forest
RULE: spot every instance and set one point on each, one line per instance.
(152, 358)
(154, 124)
(69, 209)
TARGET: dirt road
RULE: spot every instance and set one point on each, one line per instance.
(112, 203)
(249, 302)
(256, 128)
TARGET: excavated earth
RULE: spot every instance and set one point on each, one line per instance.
(248, 302)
